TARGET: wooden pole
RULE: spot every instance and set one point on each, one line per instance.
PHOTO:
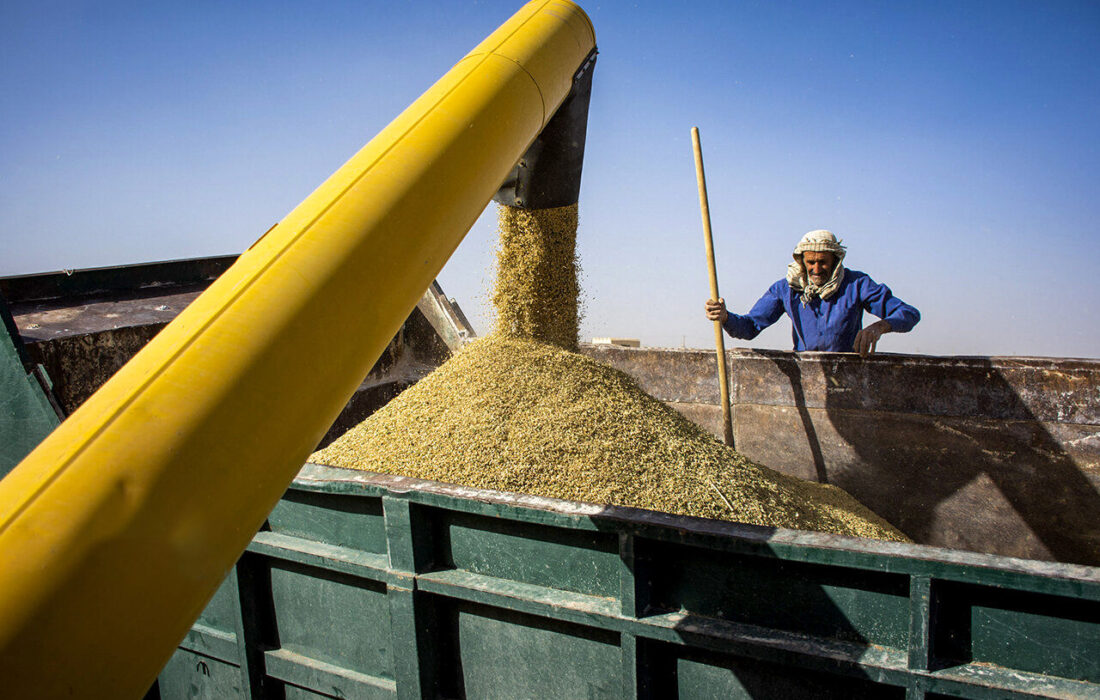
(719, 341)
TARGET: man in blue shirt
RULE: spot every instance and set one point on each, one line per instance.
(825, 301)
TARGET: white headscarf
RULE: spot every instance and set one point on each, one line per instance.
(819, 241)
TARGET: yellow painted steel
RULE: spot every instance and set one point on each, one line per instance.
(117, 529)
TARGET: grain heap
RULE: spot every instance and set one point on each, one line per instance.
(519, 415)
(518, 411)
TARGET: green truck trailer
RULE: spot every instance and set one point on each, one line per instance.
(376, 586)
(365, 585)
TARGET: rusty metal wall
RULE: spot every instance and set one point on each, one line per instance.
(989, 454)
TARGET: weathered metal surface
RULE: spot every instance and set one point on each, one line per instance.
(105, 282)
(367, 585)
(448, 321)
(1062, 390)
(997, 455)
(56, 319)
(81, 364)
(707, 415)
(672, 375)
(84, 325)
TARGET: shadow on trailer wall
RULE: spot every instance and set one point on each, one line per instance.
(990, 454)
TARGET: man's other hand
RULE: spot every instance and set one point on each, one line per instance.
(867, 339)
(716, 310)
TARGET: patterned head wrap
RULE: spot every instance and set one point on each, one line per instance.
(819, 241)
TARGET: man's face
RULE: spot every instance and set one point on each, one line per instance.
(819, 266)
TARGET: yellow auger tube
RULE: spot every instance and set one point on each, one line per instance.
(116, 531)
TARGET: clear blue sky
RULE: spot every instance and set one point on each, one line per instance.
(953, 145)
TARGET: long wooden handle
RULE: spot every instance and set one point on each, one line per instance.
(719, 340)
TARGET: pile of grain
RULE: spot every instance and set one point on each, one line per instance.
(536, 289)
(524, 416)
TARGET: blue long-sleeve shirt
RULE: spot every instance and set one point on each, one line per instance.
(829, 325)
